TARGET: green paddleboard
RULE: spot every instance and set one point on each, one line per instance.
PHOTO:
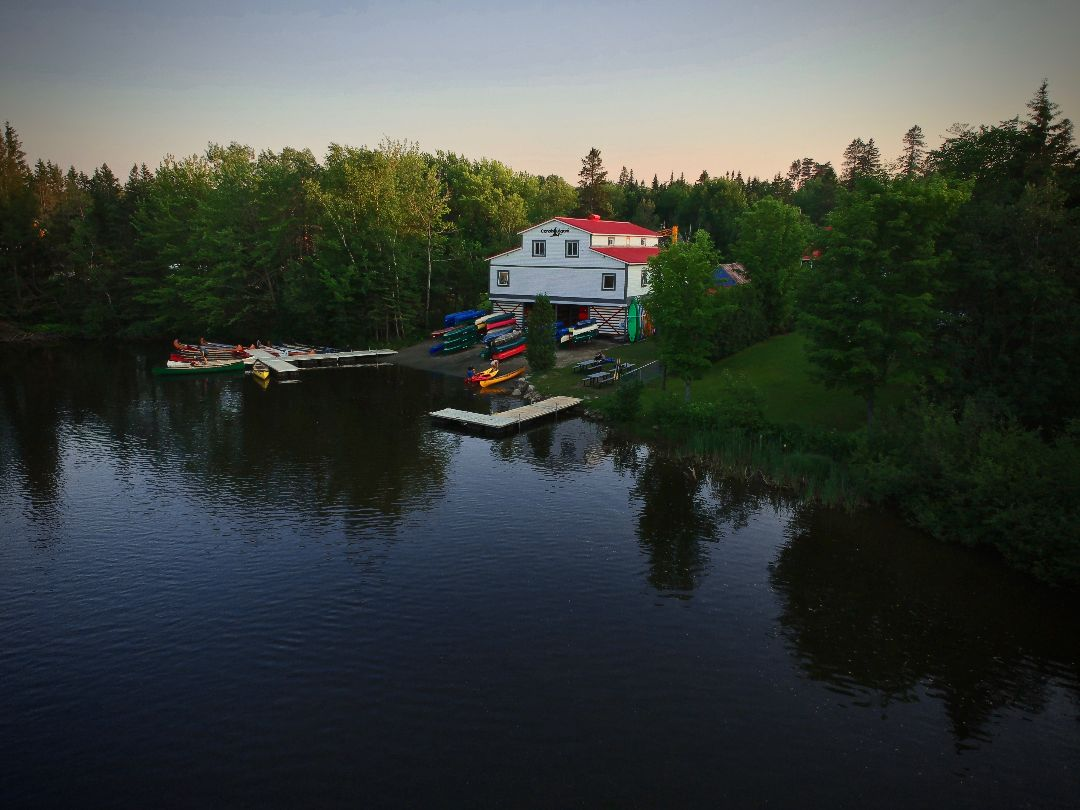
(633, 320)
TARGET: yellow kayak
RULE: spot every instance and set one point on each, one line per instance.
(261, 371)
(503, 378)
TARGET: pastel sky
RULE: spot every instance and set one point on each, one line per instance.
(657, 87)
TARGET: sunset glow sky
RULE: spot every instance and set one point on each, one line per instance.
(657, 87)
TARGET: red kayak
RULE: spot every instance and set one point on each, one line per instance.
(514, 352)
(479, 376)
(493, 325)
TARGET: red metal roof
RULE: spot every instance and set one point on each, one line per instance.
(608, 227)
(630, 255)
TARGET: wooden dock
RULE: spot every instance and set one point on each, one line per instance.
(292, 365)
(498, 424)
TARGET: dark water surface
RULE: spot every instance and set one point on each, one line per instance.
(216, 594)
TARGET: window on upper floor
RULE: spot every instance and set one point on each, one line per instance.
(571, 249)
(607, 281)
(611, 240)
(628, 241)
(539, 247)
(643, 241)
(502, 278)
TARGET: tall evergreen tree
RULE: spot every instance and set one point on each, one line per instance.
(592, 191)
(540, 334)
(912, 160)
(1052, 146)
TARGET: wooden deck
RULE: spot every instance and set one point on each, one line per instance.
(498, 424)
(293, 364)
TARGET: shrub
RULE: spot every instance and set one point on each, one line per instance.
(624, 405)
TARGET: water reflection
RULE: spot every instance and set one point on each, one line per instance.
(884, 616)
(349, 438)
(30, 432)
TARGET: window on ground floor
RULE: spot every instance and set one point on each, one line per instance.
(607, 281)
(502, 278)
(644, 277)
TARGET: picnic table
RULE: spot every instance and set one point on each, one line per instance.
(598, 378)
(588, 365)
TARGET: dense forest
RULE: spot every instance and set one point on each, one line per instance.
(365, 246)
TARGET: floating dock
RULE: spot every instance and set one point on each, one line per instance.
(293, 364)
(499, 424)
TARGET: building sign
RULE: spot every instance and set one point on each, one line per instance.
(555, 231)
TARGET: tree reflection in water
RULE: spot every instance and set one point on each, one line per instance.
(352, 438)
(883, 615)
(683, 506)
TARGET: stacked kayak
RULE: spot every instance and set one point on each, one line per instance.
(460, 338)
(499, 347)
(498, 321)
(458, 318)
(581, 332)
(493, 336)
(510, 350)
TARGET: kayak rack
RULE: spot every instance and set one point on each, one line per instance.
(514, 420)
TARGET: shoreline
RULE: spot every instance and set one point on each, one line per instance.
(455, 365)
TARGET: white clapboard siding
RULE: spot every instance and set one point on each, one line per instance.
(634, 287)
(569, 283)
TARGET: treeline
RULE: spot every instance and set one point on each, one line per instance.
(359, 247)
(955, 277)
(365, 245)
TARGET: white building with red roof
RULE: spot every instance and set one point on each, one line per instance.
(589, 268)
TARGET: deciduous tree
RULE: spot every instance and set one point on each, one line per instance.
(772, 239)
(678, 301)
(869, 306)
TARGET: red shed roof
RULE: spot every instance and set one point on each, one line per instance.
(630, 255)
(608, 226)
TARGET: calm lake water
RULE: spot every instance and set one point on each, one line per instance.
(218, 594)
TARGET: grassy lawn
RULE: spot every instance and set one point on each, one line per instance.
(779, 370)
(567, 382)
(776, 367)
